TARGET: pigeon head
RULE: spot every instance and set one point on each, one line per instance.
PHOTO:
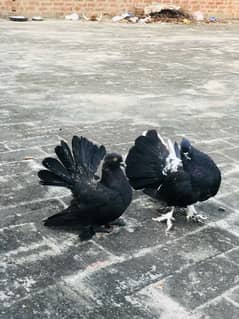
(185, 146)
(113, 160)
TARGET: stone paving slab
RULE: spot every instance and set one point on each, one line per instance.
(221, 308)
(110, 82)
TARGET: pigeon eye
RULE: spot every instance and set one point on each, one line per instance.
(115, 159)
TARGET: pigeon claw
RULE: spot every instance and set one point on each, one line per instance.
(118, 222)
(87, 233)
(104, 229)
(199, 219)
(168, 217)
(194, 216)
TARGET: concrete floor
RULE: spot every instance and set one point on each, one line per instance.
(110, 83)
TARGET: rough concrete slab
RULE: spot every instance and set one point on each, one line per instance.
(221, 308)
(196, 284)
(110, 82)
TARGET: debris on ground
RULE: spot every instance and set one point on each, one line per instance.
(157, 8)
(145, 20)
(117, 18)
(37, 18)
(72, 17)
(154, 13)
(27, 158)
(133, 19)
(125, 16)
(212, 19)
(18, 18)
(162, 13)
(186, 21)
(167, 13)
(92, 17)
(198, 16)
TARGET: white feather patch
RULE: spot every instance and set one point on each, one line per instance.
(99, 169)
(172, 161)
(187, 156)
(162, 140)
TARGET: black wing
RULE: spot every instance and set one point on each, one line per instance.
(150, 160)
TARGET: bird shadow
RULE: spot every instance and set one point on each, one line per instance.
(72, 229)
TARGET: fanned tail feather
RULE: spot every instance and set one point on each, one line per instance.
(64, 154)
(82, 161)
(51, 179)
(87, 155)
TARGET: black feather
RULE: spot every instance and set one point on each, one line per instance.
(50, 178)
(87, 156)
(146, 160)
(57, 168)
(95, 201)
(185, 145)
(149, 167)
(63, 152)
(66, 217)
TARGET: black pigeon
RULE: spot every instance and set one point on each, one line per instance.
(179, 175)
(96, 200)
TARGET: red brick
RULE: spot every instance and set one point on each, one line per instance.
(60, 7)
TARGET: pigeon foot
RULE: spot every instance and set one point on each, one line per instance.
(118, 222)
(90, 231)
(103, 229)
(194, 216)
(168, 217)
(87, 233)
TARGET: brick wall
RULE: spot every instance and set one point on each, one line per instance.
(58, 8)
